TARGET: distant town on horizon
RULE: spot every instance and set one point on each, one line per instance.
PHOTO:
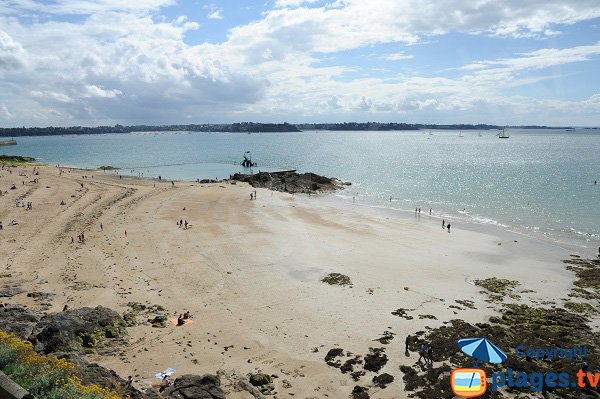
(252, 127)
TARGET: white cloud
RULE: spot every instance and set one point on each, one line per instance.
(95, 91)
(4, 112)
(83, 6)
(292, 3)
(398, 56)
(214, 12)
(12, 54)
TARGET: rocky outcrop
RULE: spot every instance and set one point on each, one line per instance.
(92, 373)
(18, 320)
(189, 386)
(75, 329)
(291, 182)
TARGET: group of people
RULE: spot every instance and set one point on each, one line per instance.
(425, 352)
(183, 317)
(183, 224)
(80, 238)
(444, 225)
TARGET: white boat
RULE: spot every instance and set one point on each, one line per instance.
(479, 134)
(503, 134)
(460, 134)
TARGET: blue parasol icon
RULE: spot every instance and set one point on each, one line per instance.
(481, 349)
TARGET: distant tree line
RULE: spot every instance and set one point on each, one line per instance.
(244, 127)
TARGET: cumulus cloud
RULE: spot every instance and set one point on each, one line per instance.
(12, 54)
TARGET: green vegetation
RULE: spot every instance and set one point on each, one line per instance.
(498, 288)
(17, 160)
(580, 307)
(45, 377)
(587, 285)
(337, 279)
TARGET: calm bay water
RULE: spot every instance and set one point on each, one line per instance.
(538, 182)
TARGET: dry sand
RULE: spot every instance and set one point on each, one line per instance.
(250, 271)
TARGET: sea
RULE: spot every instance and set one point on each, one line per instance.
(537, 182)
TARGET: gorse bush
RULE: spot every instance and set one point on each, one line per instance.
(46, 377)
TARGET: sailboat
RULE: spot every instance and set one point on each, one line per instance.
(479, 133)
(503, 134)
(460, 134)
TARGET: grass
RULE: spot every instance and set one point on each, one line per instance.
(17, 160)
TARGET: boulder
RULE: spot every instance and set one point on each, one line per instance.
(18, 320)
(189, 386)
(75, 329)
(260, 379)
(7, 291)
(383, 380)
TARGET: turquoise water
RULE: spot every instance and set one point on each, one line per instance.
(538, 182)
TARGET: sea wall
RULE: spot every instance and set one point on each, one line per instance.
(11, 390)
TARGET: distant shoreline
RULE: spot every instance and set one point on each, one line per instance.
(251, 127)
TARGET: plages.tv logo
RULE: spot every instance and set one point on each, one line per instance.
(471, 382)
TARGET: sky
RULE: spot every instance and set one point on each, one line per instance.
(103, 62)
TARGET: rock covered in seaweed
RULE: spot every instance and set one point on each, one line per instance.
(75, 329)
(291, 182)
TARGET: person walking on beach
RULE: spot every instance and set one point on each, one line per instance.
(101, 227)
(185, 225)
(125, 233)
(419, 210)
(429, 356)
(422, 352)
(429, 211)
(406, 343)
(448, 227)
(443, 224)
(255, 194)
(72, 240)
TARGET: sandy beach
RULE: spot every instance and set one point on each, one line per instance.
(250, 273)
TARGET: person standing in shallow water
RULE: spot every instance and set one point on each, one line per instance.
(443, 223)
(448, 227)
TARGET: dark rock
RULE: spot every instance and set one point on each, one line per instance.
(92, 373)
(386, 337)
(360, 393)
(383, 380)
(189, 386)
(18, 320)
(348, 366)
(260, 379)
(290, 181)
(336, 279)
(330, 357)
(375, 360)
(71, 330)
(159, 320)
(8, 291)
